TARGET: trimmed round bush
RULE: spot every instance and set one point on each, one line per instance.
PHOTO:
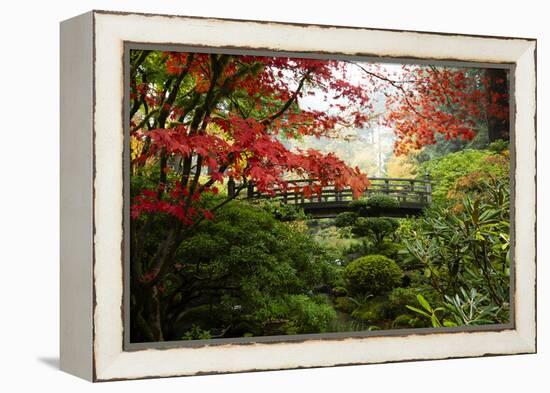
(373, 204)
(373, 274)
(377, 227)
(382, 201)
(346, 219)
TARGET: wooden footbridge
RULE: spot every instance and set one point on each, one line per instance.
(412, 195)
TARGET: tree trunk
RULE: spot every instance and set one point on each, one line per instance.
(498, 119)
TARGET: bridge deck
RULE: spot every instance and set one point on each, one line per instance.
(326, 201)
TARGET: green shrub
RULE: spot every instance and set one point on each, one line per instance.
(196, 333)
(368, 316)
(308, 315)
(381, 201)
(446, 170)
(399, 298)
(467, 247)
(498, 146)
(247, 261)
(390, 250)
(402, 321)
(373, 274)
(344, 304)
(339, 291)
(346, 219)
(418, 322)
(296, 314)
(373, 204)
(372, 309)
(359, 205)
(376, 227)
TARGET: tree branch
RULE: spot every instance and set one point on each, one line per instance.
(393, 83)
(165, 109)
(138, 102)
(267, 121)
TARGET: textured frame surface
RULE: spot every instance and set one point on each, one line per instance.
(111, 31)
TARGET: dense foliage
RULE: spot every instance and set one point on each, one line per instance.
(455, 256)
(466, 165)
(244, 273)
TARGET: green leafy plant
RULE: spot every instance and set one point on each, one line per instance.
(196, 333)
(399, 298)
(427, 311)
(233, 268)
(371, 309)
(499, 146)
(297, 314)
(402, 321)
(467, 248)
(472, 308)
(462, 309)
(345, 304)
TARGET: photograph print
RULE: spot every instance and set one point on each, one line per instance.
(282, 196)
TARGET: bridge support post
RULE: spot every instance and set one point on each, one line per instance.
(250, 190)
(428, 189)
(231, 187)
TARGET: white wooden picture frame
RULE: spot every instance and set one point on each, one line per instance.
(92, 196)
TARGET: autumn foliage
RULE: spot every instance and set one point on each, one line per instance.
(453, 102)
(227, 122)
(222, 116)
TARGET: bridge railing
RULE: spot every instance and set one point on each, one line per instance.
(416, 191)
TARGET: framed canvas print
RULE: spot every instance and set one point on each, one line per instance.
(244, 195)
